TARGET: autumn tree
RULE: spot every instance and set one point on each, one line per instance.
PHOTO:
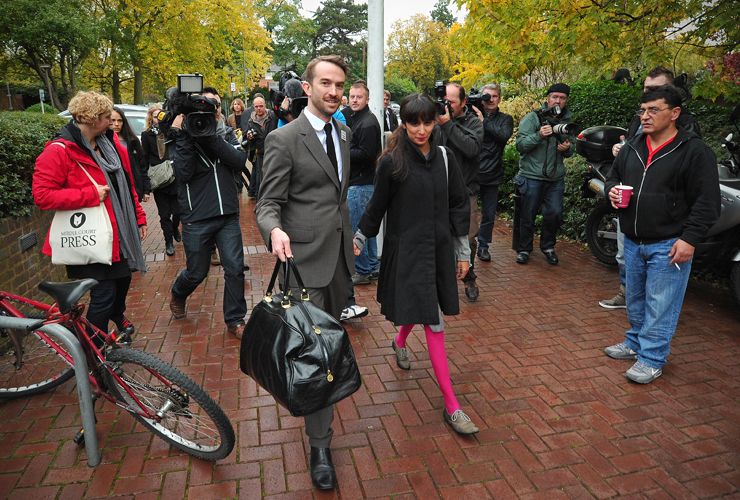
(441, 13)
(520, 38)
(419, 49)
(51, 38)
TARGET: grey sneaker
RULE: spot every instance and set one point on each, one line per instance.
(620, 351)
(642, 373)
(617, 302)
(402, 356)
(460, 422)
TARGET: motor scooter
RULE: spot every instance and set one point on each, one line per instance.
(721, 248)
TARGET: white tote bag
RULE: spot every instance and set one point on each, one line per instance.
(81, 236)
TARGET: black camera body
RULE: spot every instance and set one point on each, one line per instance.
(186, 99)
(290, 86)
(477, 98)
(440, 98)
(553, 116)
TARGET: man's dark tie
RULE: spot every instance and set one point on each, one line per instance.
(330, 146)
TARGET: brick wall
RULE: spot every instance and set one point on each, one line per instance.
(21, 271)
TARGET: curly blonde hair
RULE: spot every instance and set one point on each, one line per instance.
(149, 113)
(87, 107)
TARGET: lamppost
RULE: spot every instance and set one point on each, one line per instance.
(46, 68)
(231, 86)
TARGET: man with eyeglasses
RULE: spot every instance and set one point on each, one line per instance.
(657, 77)
(675, 201)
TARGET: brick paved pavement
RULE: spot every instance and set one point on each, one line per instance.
(557, 418)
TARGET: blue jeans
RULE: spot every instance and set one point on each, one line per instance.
(655, 291)
(198, 239)
(489, 200)
(357, 198)
(536, 193)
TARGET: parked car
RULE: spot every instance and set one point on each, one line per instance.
(135, 114)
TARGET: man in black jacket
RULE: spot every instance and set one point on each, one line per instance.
(675, 201)
(462, 132)
(657, 77)
(497, 129)
(209, 209)
(363, 152)
(390, 120)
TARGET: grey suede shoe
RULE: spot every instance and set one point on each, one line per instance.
(402, 356)
(460, 422)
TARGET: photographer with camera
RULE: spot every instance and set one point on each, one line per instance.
(462, 133)
(542, 142)
(261, 122)
(497, 129)
(204, 165)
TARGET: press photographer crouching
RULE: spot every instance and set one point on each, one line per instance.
(542, 141)
(205, 165)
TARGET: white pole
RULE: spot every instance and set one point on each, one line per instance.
(375, 44)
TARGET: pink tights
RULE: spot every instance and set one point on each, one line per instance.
(438, 357)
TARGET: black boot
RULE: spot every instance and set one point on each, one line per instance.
(322, 469)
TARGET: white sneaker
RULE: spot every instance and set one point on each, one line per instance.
(351, 312)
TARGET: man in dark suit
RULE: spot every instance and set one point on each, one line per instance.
(390, 120)
(302, 213)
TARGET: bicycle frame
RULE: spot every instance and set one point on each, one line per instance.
(76, 323)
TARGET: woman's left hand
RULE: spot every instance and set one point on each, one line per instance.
(142, 232)
(462, 268)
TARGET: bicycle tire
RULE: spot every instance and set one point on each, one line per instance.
(42, 369)
(204, 431)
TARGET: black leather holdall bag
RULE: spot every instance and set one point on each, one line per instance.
(296, 351)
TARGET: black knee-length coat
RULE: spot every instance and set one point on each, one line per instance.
(425, 215)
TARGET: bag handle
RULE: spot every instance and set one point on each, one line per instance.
(287, 266)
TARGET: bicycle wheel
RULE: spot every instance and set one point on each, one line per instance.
(187, 417)
(39, 368)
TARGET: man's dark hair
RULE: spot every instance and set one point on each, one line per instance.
(660, 70)
(360, 84)
(460, 88)
(210, 90)
(670, 94)
(333, 59)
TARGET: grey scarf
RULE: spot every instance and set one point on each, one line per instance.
(128, 229)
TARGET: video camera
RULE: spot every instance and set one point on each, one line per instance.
(186, 99)
(440, 95)
(553, 117)
(290, 86)
(477, 98)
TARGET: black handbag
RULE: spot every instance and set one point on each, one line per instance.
(296, 351)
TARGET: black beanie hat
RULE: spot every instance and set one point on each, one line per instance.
(559, 87)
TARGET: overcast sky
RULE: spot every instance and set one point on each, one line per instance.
(393, 9)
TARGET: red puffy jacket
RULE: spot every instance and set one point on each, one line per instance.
(60, 184)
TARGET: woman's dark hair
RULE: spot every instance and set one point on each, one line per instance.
(128, 135)
(415, 109)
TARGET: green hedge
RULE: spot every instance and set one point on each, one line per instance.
(36, 108)
(22, 138)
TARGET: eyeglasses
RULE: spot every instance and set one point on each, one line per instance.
(651, 111)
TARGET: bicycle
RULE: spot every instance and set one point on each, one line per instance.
(158, 395)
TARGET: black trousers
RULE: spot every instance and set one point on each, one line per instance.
(108, 301)
(168, 209)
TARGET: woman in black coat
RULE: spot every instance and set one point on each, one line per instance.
(421, 192)
(152, 141)
(139, 168)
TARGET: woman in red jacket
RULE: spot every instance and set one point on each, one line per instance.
(59, 183)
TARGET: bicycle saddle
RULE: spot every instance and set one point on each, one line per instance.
(67, 293)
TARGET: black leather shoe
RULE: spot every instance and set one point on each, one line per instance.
(522, 257)
(322, 469)
(169, 249)
(471, 291)
(484, 255)
(551, 256)
(176, 234)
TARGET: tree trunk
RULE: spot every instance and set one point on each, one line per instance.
(138, 86)
(116, 86)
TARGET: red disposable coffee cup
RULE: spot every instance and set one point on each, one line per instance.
(625, 193)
